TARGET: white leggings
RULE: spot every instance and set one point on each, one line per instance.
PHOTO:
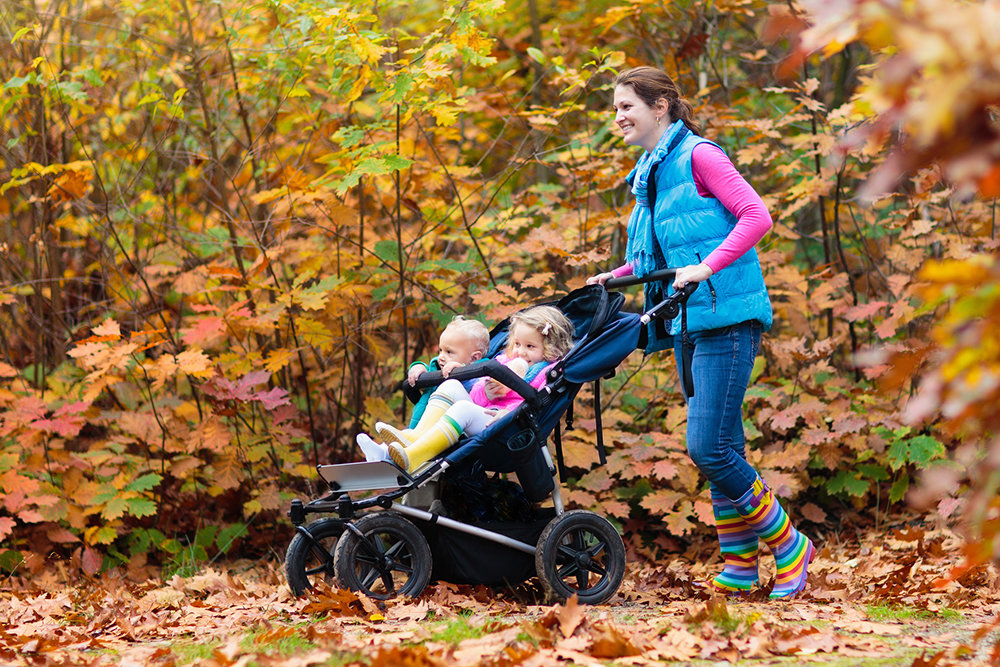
(472, 419)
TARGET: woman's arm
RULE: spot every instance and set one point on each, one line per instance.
(716, 176)
(601, 278)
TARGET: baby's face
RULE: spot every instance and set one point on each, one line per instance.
(526, 343)
(455, 346)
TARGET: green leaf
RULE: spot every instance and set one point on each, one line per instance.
(145, 483)
(845, 482)
(92, 76)
(140, 507)
(10, 560)
(72, 90)
(229, 535)
(387, 251)
(373, 165)
(924, 448)
(397, 162)
(401, 88)
(873, 472)
(18, 81)
(205, 536)
(919, 450)
(899, 489)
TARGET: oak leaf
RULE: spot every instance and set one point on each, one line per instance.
(227, 471)
(6, 526)
(610, 643)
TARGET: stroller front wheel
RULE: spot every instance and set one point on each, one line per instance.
(384, 556)
(580, 553)
(308, 559)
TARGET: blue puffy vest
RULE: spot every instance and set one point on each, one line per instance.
(688, 228)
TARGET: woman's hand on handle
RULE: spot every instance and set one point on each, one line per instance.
(692, 273)
(600, 278)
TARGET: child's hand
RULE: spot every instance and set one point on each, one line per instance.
(449, 367)
(415, 371)
(495, 389)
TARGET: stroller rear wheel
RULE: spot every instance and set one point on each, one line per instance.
(383, 555)
(308, 559)
(580, 553)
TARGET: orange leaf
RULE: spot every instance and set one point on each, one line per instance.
(6, 526)
(570, 617)
(108, 328)
(610, 643)
(205, 331)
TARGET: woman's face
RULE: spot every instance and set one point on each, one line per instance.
(526, 343)
(637, 119)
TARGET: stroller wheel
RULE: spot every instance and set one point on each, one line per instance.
(306, 560)
(385, 555)
(580, 553)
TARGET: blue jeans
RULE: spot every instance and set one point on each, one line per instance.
(720, 368)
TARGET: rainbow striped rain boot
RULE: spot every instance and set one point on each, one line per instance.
(792, 550)
(738, 543)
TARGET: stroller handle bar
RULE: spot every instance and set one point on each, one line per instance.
(669, 307)
(489, 368)
(625, 281)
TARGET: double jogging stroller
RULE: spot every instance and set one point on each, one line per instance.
(449, 520)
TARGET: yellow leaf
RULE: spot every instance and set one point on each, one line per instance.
(366, 49)
(195, 362)
(278, 359)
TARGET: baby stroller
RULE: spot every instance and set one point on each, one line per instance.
(448, 520)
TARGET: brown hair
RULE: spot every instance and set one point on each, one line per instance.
(652, 84)
(555, 328)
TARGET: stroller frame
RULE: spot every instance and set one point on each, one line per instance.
(385, 552)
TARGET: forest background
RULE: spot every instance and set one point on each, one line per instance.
(230, 226)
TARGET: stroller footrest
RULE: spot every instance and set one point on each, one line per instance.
(364, 476)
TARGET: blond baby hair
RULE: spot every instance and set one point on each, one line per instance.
(475, 330)
(555, 328)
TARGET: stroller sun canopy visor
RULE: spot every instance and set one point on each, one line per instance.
(598, 356)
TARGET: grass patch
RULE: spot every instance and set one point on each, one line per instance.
(281, 644)
(188, 652)
(898, 613)
(458, 629)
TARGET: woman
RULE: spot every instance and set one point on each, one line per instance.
(695, 212)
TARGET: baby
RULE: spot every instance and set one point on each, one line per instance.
(462, 342)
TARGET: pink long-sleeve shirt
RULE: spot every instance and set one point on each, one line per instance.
(716, 176)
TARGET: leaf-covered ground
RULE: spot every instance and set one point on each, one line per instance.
(885, 600)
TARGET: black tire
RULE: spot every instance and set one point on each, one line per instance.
(390, 557)
(580, 553)
(307, 560)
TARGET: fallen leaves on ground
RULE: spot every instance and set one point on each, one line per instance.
(661, 614)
